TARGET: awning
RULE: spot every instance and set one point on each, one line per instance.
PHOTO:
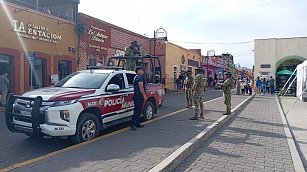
(284, 72)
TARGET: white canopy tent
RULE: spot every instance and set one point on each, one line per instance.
(301, 89)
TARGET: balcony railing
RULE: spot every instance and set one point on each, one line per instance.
(58, 8)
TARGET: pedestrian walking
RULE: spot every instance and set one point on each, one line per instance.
(188, 85)
(258, 85)
(227, 92)
(199, 86)
(181, 79)
(246, 86)
(139, 97)
(242, 86)
(264, 86)
(250, 91)
(267, 87)
(238, 87)
(4, 82)
(272, 85)
(178, 84)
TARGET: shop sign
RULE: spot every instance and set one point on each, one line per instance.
(98, 38)
(35, 32)
(97, 34)
(97, 47)
(193, 63)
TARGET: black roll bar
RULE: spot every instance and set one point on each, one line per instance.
(35, 112)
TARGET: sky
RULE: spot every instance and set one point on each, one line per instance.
(224, 26)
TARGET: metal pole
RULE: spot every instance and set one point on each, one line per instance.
(290, 85)
(37, 5)
(207, 63)
(31, 78)
(154, 42)
(287, 81)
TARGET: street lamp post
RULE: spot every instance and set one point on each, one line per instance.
(209, 53)
(159, 34)
(227, 56)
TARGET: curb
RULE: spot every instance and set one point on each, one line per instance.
(296, 158)
(173, 160)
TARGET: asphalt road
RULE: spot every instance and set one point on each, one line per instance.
(15, 148)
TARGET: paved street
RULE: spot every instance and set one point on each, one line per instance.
(19, 147)
(254, 141)
(134, 151)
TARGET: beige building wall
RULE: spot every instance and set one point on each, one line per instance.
(26, 22)
(177, 57)
(25, 30)
(275, 51)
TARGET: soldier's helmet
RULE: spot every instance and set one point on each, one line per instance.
(227, 73)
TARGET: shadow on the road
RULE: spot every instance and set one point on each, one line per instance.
(215, 151)
(270, 124)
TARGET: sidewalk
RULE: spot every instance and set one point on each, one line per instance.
(254, 140)
(297, 118)
(134, 150)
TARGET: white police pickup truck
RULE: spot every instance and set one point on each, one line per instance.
(79, 105)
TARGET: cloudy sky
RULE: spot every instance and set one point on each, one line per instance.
(220, 25)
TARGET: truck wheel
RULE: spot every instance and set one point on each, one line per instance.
(149, 110)
(87, 128)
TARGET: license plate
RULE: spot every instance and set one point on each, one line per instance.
(25, 113)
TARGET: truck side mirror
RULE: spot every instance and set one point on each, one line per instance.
(112, 88)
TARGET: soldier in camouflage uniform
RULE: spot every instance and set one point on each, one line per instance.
(199, 87)
(188, 84)
(227, 92)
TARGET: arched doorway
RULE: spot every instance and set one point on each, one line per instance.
(284, 68)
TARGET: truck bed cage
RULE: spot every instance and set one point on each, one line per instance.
(104, 67)
(130, 62)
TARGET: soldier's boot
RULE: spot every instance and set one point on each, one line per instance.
(228, 112)
(202, 110)
(194, 117)
(202, 116)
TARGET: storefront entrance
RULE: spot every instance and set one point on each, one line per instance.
(38, 74)
(6, 66)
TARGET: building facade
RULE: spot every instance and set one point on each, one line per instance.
(101, 40)
(216, 65)
(178, 60)
(277, 54)
(35, 47)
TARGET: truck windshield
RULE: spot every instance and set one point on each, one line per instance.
(83, 80)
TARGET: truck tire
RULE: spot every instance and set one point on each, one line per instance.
(87, 128)
(149, 110)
